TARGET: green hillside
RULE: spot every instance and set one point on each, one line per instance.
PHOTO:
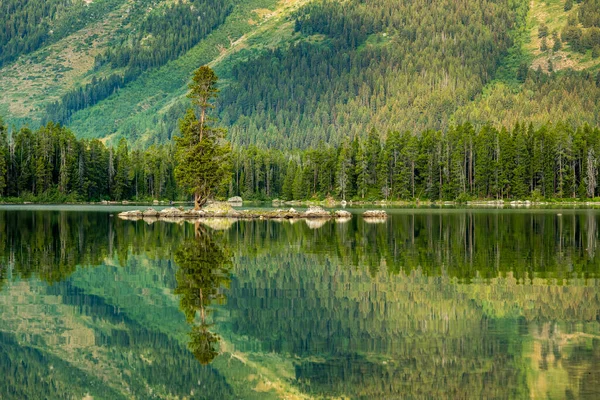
(295, 73)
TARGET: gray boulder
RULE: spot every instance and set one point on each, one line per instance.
(316, 212)
(131, 214)
(151, 212)
(170, 212)
(375, 214)
(343, 214)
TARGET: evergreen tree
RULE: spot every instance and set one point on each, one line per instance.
(362, 170)
(288, 183)
(299, 188)
(202, 152)
(4, 158)
(343, 168)
(568, 5)
(121, 180)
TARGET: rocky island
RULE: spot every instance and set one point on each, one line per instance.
(225, 210)
(221, 210)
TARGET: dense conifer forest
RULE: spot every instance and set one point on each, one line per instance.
(362, 100)
(462, 163)
(299, 73)
(393, 65)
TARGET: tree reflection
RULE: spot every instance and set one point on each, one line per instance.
(204, 269)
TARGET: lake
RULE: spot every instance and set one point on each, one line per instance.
(430, 303)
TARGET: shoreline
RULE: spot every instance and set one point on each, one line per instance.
(323, 203)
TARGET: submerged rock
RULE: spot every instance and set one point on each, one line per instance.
(375, 214)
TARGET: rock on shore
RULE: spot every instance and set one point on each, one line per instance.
(379, 214)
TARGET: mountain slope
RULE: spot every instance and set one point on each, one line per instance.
(295, 73)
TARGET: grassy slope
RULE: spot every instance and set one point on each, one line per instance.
(155, 91)
(36, 79)
(507, 94)
(551, 13)
(43, 76)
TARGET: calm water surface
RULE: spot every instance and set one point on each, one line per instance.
(459, 303)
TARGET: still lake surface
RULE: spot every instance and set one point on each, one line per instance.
(431, 303)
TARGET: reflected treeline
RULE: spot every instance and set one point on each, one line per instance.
(429, 304)
(28, 373)
(51, 244)
(459, 243)
(204, 270)
(162, 363)
(466, 244)
(407, 335)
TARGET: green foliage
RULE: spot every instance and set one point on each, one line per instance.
(156, 39)
(50, 165)
(380, 64)
(31, 373)
(345, 68)
(589, 13)
(4, 158)
(460, 164)
(557, 44)
(543, 45)
(28, 25)
(203, 155)
(566, 95)
(203, 272)
(568, 5)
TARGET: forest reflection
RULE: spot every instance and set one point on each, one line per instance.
(501, 304)
(466, 244)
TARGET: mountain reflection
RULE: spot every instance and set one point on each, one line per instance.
(429, 304)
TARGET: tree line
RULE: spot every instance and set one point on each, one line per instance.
(50, 164)
(552, 161)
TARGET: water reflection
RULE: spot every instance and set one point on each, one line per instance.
(204, 268)
(460, 304)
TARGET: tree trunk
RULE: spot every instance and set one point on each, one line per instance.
(199, 201)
